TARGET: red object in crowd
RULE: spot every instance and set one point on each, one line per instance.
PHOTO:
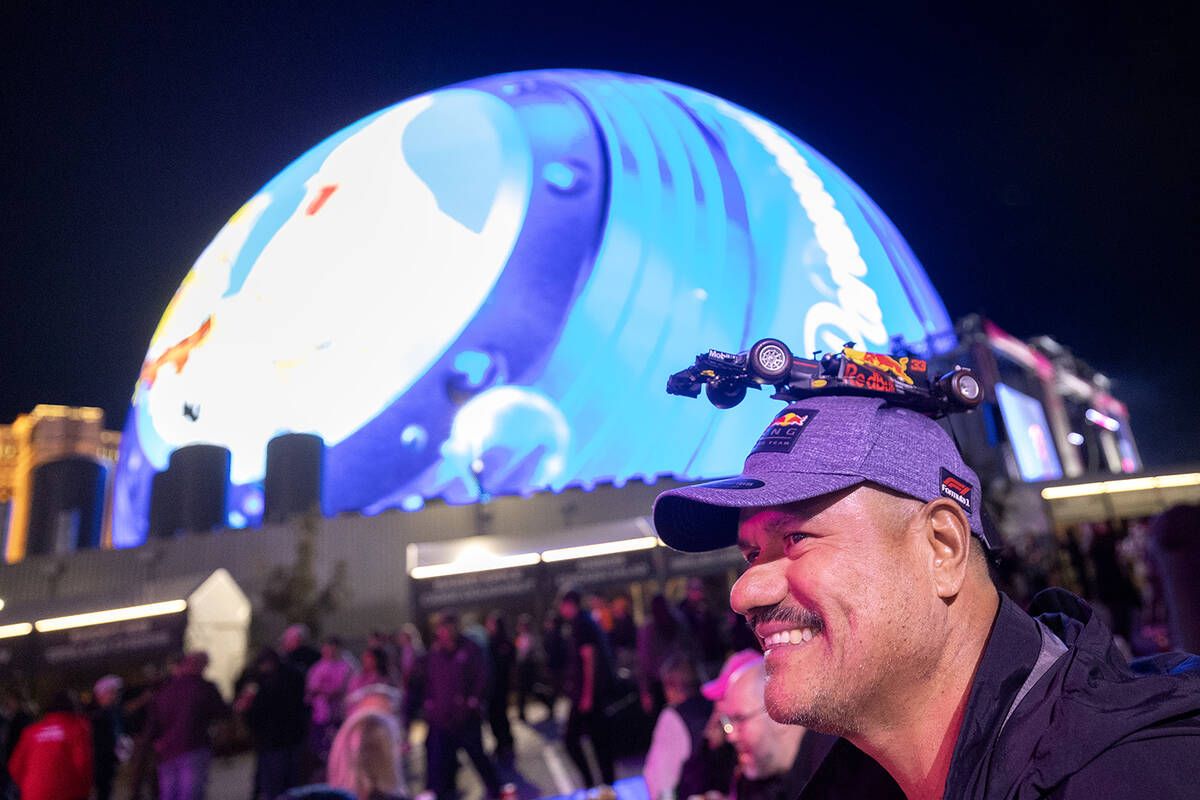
(53, 759)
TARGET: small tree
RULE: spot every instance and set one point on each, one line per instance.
(294, 592)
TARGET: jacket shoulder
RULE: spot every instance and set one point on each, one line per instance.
(1149, 764)
(1094, 723)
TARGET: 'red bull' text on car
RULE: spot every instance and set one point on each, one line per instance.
(904, 380)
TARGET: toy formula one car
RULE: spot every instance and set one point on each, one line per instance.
(903, 381)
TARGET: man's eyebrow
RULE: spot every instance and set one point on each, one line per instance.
(772, 525)
(779, 523)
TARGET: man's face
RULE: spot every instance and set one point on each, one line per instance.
(194, 663)
(569, 609)
(841, 603)
(761, 749)
(446, 633)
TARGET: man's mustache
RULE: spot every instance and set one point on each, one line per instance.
(796, 617)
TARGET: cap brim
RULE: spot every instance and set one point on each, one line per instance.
(705, 516)
(737, 663)
(714, 690)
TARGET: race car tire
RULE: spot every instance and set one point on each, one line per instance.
(725, 396)
(769, 361)
(962, 386)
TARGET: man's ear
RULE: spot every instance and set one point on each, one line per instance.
(947, 537)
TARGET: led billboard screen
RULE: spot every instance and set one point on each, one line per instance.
(482, 290)
(1029, 434)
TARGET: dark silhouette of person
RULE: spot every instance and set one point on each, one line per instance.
(588, 685)
(457, 681)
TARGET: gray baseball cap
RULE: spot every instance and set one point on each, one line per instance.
(822, 445)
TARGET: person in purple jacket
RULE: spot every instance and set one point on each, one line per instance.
(178, 725)
(454, 702)
(868, 587)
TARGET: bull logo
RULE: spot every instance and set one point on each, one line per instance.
(896, 367)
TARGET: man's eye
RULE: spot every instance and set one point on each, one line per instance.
(794, 538)
(750, 555)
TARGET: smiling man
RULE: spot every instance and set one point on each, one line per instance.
(867, 585)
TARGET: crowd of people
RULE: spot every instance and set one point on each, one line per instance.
(680, 682)
(325, 721)
(306, 709)
(1110, 564)
(74, 750)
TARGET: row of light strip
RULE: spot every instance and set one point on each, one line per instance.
(604, 549)
(482, 564)
(16, 629)
(479, 564)
(1125, 485)
(475, 565)
(94, 618)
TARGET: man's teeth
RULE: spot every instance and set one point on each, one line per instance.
(796, 636)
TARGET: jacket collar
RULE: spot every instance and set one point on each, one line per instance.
(1008, 658)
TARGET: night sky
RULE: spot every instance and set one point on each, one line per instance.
(1041, 163)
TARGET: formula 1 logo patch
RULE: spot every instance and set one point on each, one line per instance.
(957, 490)
(784, 431)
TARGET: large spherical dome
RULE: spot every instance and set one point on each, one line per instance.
(483, 289)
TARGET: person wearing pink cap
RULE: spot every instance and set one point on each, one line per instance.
(774, 761)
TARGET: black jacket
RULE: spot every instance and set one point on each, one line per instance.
(694, 712)
(277, 716)
(786, 785)
(1091, 726)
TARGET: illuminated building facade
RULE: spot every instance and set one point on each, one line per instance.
(1046, 415)
(1050, 442)
(56, 464)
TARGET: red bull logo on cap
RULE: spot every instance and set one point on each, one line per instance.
(896, 367)
(784, 431)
